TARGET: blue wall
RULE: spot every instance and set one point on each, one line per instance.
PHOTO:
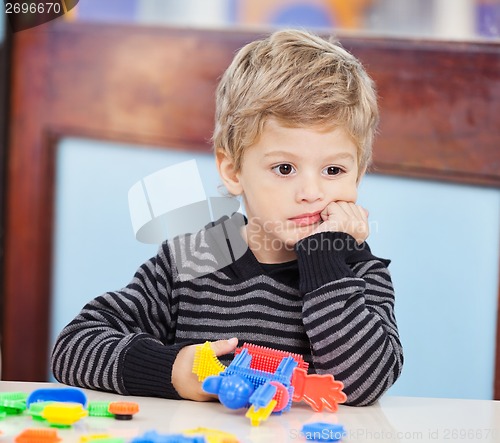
(94, 245)
(443, 241)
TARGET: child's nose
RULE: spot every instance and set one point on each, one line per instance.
(309, 190)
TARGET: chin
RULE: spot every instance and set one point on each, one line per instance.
(292, 241)
(306, 230)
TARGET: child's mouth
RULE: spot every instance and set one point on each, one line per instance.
(306, 219)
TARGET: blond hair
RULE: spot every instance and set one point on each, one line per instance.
(301, 80)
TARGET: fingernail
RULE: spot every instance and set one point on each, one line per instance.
(233, 341)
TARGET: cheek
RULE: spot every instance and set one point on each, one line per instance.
(354, 195)
(348, 192)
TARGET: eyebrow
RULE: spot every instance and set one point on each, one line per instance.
(340, 156)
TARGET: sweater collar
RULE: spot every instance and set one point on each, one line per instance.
(225, 240)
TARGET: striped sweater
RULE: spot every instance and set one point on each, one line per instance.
(334, 305)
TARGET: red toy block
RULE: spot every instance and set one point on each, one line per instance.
(268, 359)
(318, 391)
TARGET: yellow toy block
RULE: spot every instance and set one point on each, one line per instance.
(93, 437)
(205, 362)
(213, 435)
(101, 438)
(63, 414)
(262, 414)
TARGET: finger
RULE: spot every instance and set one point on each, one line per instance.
(362, 212)
(222, 347)
(329, 210)
(347, 207)
(356, 211)
(364, 231)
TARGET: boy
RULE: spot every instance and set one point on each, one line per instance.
(295, 120)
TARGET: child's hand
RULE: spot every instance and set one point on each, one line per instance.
(184, 381)
(345, 217)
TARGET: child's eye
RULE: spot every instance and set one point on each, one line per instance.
(333, 170)
(283, 169)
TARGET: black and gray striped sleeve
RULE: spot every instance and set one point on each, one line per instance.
(119, 341)
(348, 314)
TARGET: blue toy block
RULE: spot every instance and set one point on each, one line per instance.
(65, 395)
(240, 386)
(285, 369)
(154, 437)
(321, 431)
(241, 366)
(263, 395)
(234, 391)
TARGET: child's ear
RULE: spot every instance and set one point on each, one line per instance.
(227, 172)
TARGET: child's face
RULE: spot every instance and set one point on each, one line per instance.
(287, 178)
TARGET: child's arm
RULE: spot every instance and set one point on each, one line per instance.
(119, 341)
(348, 312)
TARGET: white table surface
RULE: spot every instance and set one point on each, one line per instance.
(392, 419)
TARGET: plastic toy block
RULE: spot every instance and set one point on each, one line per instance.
(283, 397)
(205, 362)
(320, 431)
(38, 436)
(258, 416)
(263, 395)
(12, 403)
(268, 359)
(99, 409)
(282, 380)
(213, 435)
(36, 409)
(123, 410)
(286, 369)
(237, 384)
(234, 391)
(258, 376)
(318, 391)
(64, 395)
(154, 437)
(63, 415)
(13, 396)
(93, 437)
(241, 366)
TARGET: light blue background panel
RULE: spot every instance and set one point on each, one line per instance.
(443, 240)
(94, 245)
